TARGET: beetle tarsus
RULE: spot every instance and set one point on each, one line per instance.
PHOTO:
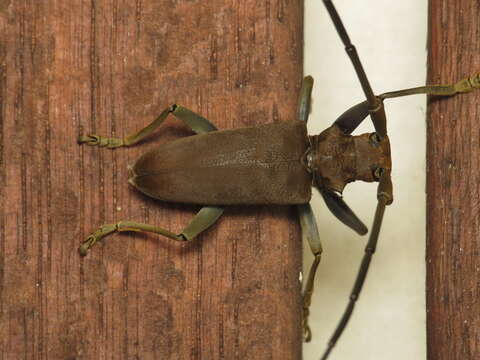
(96, 140)
(469, 84)
(88, 139)
(86, 245)
(307, 332)
(97, 235)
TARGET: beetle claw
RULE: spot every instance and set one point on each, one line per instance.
(307, 334)
(87, 244)
(97, 235)
(89, 139)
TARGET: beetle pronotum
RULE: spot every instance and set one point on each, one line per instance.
(258, 172)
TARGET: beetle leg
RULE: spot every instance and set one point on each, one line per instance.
(205, 218)
(196, 122)
(342, 211)
(305, 98)
(466, 85)
(351, 118)
(310, 235)
(111, 143)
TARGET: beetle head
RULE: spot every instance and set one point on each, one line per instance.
(372, 155)
(337, 159)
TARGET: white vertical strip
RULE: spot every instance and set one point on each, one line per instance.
(389, 320)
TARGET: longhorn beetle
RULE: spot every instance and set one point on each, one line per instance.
(276, 163)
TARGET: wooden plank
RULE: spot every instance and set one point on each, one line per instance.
(453, 178)
(109, 67)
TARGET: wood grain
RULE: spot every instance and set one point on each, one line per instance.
(109, 67)
(453, 192)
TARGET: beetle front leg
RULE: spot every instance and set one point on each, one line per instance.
(205, 218)
(305, 99)
(463, 86)
(195, 121)
(310, 235)
(351, 118)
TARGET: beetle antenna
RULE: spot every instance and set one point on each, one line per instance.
(362, 273)
(385, 197)
(376, 109)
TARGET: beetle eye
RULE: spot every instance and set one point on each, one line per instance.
(377, 173)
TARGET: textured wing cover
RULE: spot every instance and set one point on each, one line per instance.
(258, 165)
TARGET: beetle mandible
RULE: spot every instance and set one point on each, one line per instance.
(279, 171)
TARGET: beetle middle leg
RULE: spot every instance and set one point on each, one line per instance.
(310, 235)
(307, 219)
(195, 121)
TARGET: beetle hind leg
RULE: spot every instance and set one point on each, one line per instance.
(195, 121)
(205, 218)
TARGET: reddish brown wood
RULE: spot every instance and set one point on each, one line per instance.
(453, 192)
(109, 67)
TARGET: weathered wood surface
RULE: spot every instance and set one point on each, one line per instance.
(453, 186)
(109, 67)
